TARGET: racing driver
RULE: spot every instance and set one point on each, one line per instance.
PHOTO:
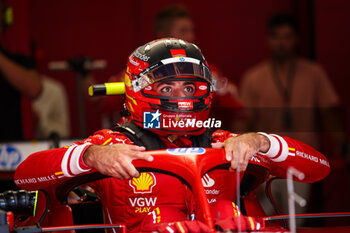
(165, 79)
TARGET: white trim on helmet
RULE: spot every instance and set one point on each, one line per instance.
(180, 59)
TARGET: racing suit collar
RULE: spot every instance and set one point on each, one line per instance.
(181, 141)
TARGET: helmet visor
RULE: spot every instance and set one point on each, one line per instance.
(164, 71)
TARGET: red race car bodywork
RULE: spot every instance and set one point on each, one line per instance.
(190, 167)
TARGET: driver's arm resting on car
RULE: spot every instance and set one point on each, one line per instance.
(51, 167)
(240, 149)
(115, 160)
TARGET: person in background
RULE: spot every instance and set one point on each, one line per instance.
(175, 21)
(17, 79)
(51, 110)
(284, 88)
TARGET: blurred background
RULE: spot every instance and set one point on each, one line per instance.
(231, 34)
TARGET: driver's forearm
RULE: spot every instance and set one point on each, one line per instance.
(49, 168)
(27, 82)
(264, 143)
(286, 152)
(90, 153)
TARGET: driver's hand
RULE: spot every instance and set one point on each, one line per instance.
(240, 149)
(115, 160)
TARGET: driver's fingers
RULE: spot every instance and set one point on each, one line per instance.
(109, 171)
(140, 155)
(135, 147)
(217, 145)
(245, 161)
(229, 151)
(242, 160)
(129, 168)
(117, 175)
(236, 154)
(119, 169)
(241, 151)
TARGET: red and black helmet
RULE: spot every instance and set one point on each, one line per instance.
(168, 60)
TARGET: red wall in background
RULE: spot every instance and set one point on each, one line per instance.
(17, 37)
(332, 50)
(231, 34)
(333, 45)
(99, 29)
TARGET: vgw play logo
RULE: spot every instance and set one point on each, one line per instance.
(154, 120)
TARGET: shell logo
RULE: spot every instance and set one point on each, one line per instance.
(144, 183)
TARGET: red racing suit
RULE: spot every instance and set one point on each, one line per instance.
(129, 201)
